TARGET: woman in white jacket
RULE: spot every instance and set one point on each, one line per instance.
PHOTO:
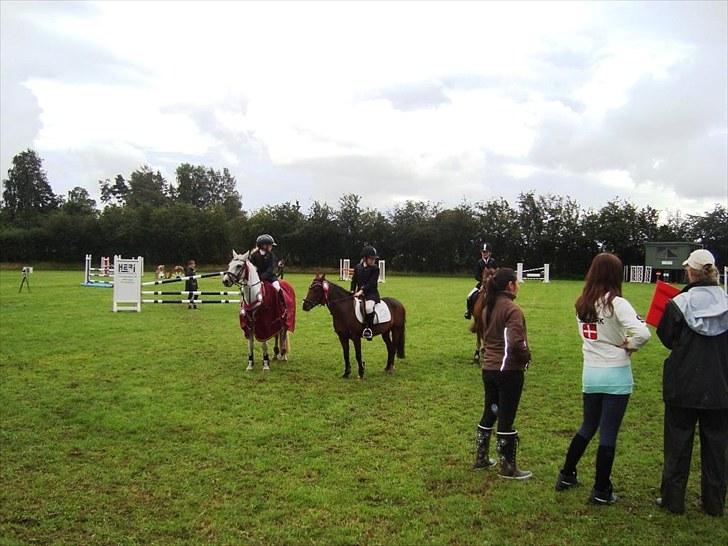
(611, 331)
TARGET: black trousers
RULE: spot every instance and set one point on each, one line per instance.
(502, 395)
(678, 446)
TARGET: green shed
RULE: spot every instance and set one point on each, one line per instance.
(668, 256)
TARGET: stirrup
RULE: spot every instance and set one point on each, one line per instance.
(367, 333)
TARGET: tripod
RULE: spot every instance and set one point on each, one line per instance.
(25, 280)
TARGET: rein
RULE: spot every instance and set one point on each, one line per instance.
(325, 288)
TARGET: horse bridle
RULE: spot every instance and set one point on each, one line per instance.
(236, 277)
(325, 287)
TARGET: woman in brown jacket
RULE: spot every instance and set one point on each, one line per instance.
(506, 358)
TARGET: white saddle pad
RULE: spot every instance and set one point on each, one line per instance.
(381, 312)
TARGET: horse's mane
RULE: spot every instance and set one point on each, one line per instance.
(336, 290)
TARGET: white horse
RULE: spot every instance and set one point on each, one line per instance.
(243, 273)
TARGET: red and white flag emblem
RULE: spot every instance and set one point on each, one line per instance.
(589, 330)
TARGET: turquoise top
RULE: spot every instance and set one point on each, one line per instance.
(607, 380)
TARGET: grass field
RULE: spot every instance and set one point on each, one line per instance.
(145, 429)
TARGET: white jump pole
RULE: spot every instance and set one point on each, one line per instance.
(725, 278)
(344, 269)
(382, 271)
(542, 273)
(87, 269)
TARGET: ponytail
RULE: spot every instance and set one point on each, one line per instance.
(708, 274)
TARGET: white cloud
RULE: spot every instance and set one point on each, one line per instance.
(435, 100)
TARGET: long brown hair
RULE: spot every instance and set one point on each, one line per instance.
(495, 286)
(603, 283)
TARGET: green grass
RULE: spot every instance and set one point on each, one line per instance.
(145, 429)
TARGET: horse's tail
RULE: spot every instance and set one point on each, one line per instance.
(400, 343)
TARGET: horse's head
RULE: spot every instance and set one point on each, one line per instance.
(242, 272)
(318, 292)
(234, 273)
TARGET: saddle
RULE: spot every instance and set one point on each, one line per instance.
(382, 313)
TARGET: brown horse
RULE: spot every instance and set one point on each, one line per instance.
(477, 325)
(340, 303)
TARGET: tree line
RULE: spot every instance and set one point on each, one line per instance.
(200, 215)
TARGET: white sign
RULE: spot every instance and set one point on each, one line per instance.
(128, 284)
(666, 262)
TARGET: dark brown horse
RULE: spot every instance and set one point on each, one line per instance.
(341, 306)
(477, 326)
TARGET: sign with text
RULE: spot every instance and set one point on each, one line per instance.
(128, 284)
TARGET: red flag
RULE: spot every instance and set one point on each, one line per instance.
(663, 294)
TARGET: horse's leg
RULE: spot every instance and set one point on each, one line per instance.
(387, 337)
(357, 352)
(276, 349)
(251, 348)
(285, 344)
(476, 356)
(266, 359)
(345, 347)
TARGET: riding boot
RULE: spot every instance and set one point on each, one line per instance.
(507, 447)
(468, 309)
(282, 303)
(369, 323)
(603, 490)
(482, 447)
(567, 475)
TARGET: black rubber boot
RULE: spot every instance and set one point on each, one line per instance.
(282, 303)
(369, 324)
(507, 449)
(603, 493)
(567, 475)
(482, 448)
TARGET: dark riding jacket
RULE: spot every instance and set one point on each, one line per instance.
(265, 264)
(190, 284)
(482, 266)
(366, 279)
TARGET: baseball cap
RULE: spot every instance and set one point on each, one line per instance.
(699, 259)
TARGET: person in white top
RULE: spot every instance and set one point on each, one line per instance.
(611, 331)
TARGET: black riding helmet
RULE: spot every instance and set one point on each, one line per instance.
(265, 239)
(486, 248)
(369, 252)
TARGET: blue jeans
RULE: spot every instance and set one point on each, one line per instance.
(603, 412)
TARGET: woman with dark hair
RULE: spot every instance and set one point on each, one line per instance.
(506, 358)
(695, 386)
(611, 331)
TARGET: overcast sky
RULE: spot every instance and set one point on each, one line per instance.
(394, 101)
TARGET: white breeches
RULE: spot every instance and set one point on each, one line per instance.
(473, 291)
(369, 306)
(276, 285)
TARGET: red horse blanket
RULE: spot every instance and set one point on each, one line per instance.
(267, 319)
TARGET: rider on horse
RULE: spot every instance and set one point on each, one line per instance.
(265, 261)
(486, 262)
(365, 283)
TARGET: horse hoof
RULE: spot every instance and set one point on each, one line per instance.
(249, 368)
(346, 375)
(266, 368)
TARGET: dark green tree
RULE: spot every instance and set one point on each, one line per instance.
(27, 192)
(79, 202)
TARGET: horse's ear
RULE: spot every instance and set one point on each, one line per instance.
(323, 276)
(235, 254)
